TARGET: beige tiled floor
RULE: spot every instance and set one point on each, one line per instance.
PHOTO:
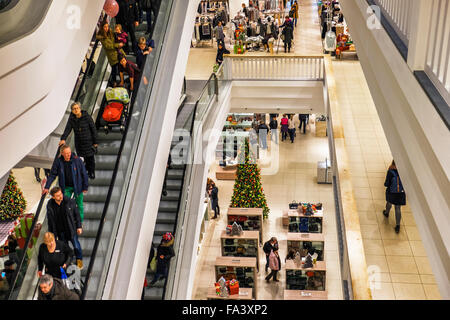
(401, 258)
(296, 179)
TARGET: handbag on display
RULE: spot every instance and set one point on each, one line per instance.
(242, 242)
(239, 271)
(229, 249)
(251, 242)
(229, 242)
(251, 251)
(240, 250)
(293, 205)
(309, 211)
(319, 206)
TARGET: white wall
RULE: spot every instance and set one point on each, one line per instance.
(39, 76)
(236, 5)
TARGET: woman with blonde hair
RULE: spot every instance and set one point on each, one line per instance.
(53, 254)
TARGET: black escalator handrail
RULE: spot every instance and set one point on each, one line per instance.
(27, 241)
(213, 77)
(105, 208)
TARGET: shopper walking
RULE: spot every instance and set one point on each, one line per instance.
(219, 34)
(64, 221)
(112, 50)
(274, 129)
(274, 265)
(163, 255)
(54, 289)
(85, 136)
(284, 127)
(220, 52)
(395, 194)
(304, 118)
(288, 35)
(268, 247)
(262, 132)
(291, 126)
(72, 177)
(295, 11)
(53, 255)
(213, 193)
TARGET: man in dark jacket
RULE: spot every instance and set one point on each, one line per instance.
(262, 133)
(288, 33)
(220, 52)
(9, 271)
(128, 16)
(64, 221)
(274, 129)
(72, 177)
(85, 136)
(54, 289)
(303, 121)
(163, 255)
(213, 193)
(268, 247)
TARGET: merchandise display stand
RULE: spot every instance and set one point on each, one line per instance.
(226, 173)
(247, 242)
(250, 219)
(300, 223)
(240, 268)
(244, 294)
(299, 241)
(309, 279)
(321, 129)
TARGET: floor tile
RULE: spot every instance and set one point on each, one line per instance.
(370, 232)
(397, 248)
(427, 279)
(382, 291)
(417, 248)
(373, 247)
(377, 261)
(402, 264)
(407, 291)
(432, 292)
(423, 265)
(413, 233)
(405, 278)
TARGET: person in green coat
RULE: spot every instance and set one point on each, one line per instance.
(112, 49)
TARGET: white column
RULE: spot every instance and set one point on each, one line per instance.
(420, 32)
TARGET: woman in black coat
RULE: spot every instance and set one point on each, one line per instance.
(395, 194)
(53, 255)
(85, 136)
(163, 255)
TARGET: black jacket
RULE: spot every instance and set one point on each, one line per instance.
(72, 215)
(214, 193)
(53, 261)
(220, 53)
(288, 33)
(128, 12)
(58, 292)
(273, 124)
(165, 249)
(398, 199)
(263, 127)
(84, 131)
(268, 247)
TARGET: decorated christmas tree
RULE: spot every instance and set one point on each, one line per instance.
(248, 191)
(12, 201)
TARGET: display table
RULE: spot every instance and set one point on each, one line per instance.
(312, 279)
(321, 128)
(244, 294)
(299, 222)
(247, 242)
(251, 219)
(225, 173)
(298, 241)
(305, 295)
(240, 268)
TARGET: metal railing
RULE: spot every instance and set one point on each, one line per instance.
(280, 67)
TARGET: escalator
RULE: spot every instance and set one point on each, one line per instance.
(101, 203)
(170, 203)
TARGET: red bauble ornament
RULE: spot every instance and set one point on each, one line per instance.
(111, 8)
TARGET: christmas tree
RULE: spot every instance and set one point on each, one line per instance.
(248, 191)
(12, 201)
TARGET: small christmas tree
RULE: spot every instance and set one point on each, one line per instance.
(248, 191)
(12, 201)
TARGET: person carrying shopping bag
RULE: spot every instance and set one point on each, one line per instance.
(274, 265)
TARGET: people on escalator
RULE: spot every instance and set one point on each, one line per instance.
(54, 254)
(64, 221)
(54, 289)
(163, 255)
(112, 50)
(168, 166)
(12, 248)
(128, 17)
(72, 177)
(85, 136)
(121, 36)
(142, 52)
(9, 270)
(146, 5)
(132, 70)
(213, 193)
(37, 173)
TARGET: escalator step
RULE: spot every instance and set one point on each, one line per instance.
(109, 149)
(153, 293)
(93, 210)
(88, 234)
(171, 196)
(161, 228)
(101, 136)
(105, 162)
(96, 194)
(166, 217)
(175, 174)
(174, 184)
(168, 206)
